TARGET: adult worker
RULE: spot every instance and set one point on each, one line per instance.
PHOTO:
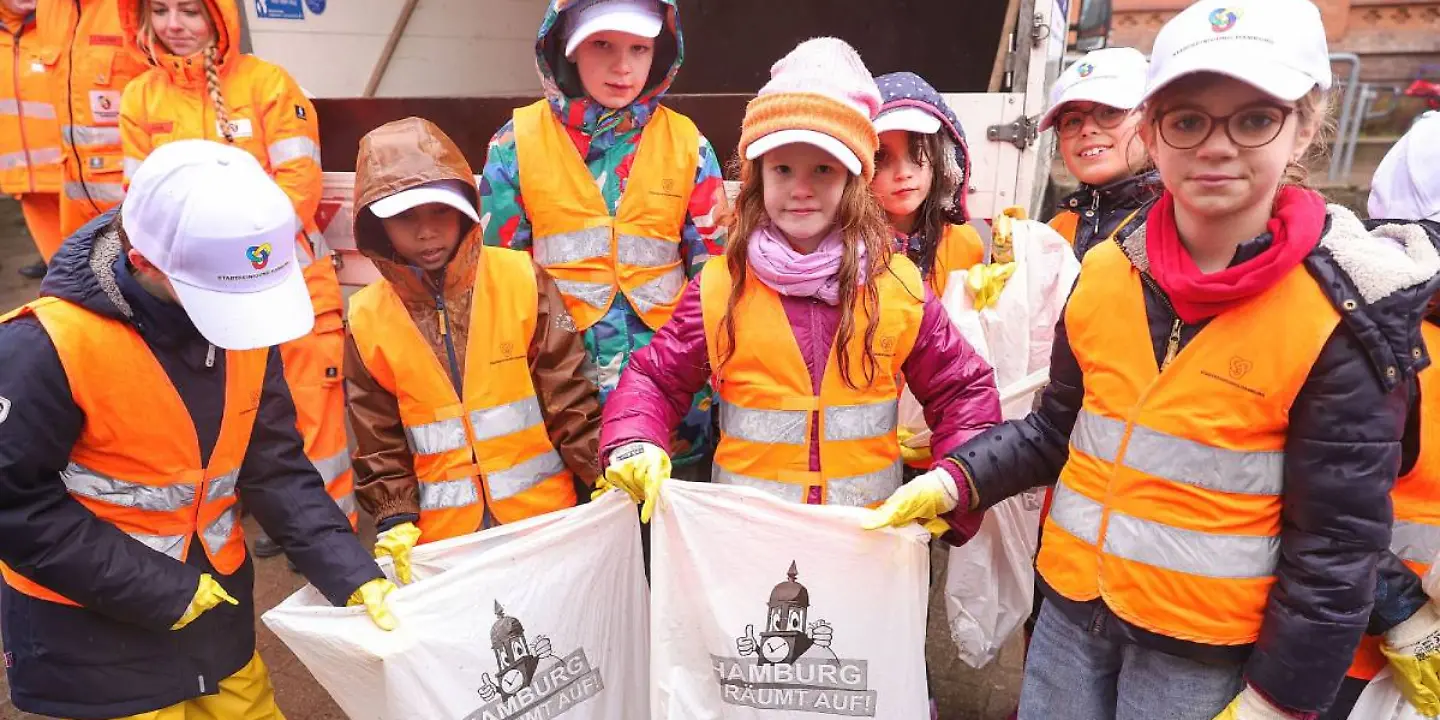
(29, 133)
(141, 400)
(90, 71)
(202, 87)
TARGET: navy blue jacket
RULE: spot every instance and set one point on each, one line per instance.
(117, 656)
(1341, 459)
(1101, 210)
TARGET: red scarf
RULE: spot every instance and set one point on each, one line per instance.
(1296, 225)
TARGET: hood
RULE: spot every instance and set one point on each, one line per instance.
(906, 89)
(83, 269)
(224, 13)
(398, 156)
(561, 81)
(15, 21)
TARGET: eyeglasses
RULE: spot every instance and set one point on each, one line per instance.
(1252, 127)
(1071, 122)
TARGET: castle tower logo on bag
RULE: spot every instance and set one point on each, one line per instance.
(1223, 19)
(530, 680)
(790, 665)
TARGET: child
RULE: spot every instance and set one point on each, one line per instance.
(1225, 412)
(921, 175)
(467, 395)
(621, 255)
(203, 87)
(810, 414)
(1090, 109)
(31, 134)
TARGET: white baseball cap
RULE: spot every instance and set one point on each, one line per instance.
(910, 119)
(1407, 183)
(636, 17)
(1113, 77)
(444, 192)
(211, 219)
(1278, 46)
(814, 138)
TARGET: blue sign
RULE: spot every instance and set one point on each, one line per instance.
(316, 6)
(279, 9)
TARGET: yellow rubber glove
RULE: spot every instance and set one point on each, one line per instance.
(921, 500)
(1251, 705)
(207, 595)
(372, 595)
(986, 282)
(1413, 650)
(639, 468)
(912, 456)
(397, 542)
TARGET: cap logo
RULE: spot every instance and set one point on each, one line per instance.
(1222, 19)
(259, 255)
(1085, 69)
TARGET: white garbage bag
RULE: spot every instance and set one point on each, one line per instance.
(546, 618)
(769, 609)
(1381, 700)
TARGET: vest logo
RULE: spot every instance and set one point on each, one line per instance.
(530, 681)
(507, 348)
(259, 255)
(506, 351)
(667, 189)
(1240, 367)
(4, 408)
(790, 665)
(1085, 69)
(1223, 19)
(1235, 371)
(886, 346)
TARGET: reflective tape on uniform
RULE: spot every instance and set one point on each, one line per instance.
(218, 532)
(1181, 460)
(512, 481)
(171, 545)
(295, 148)
(855, 422)
(437, 437)
(1076, 514)
(319, 246)
(222, 487)
(596, 295)
(573, 246)
(332, 467)
(774, 427)
(86, 135)
(866, 489)
(26, 158)
(1415, 542)
(131, 166)
(1190, 551)
(785, 491)
(31, 108)
(346, 503)
(99, 192)
(663, 290)
(45, 155)
(82, 481)
(508, 419)
(646, 252)
(14, 160)
(448, 495)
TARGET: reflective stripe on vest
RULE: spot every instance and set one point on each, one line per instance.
(131, 165)
(295, 148)
(591, 252)
(30, 108)
(27, 158)
(767, 398)
(87, 136)
(493, 443)
(97, 191)
(1172, 489)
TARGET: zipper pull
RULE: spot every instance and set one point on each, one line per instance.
(210, 357)
(440, 316)
(1172, 348)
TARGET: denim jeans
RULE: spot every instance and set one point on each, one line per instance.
(1077, 673)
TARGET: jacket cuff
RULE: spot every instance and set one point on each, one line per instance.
(1275, 707)
(964, 483)
(1422, 624)
(391, 521)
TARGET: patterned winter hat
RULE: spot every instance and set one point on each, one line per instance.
(912, 104)
(820, 94)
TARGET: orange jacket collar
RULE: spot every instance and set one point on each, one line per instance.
(186, 70)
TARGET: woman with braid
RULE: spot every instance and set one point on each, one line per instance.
(200, 86)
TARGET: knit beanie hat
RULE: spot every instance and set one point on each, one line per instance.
(820, 94)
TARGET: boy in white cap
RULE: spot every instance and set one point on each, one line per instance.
(142, 400)
(615, 195)
(1091, 111)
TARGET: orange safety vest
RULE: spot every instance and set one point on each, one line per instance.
(1415, 537)
(1067, 223)
(1169, 505)
(137, 462)
(29, 131)
(960, 249)
(591, 252)
(767, 398)
(491, 447)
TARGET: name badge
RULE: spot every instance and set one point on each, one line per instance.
(239, 128)
(105, 106)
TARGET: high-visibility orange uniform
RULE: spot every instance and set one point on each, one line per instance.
(163, 497)
(486, 449)
(90, 70)
(29, 131)
(272, 119)
(960, 249)
(1169, 506)
(768, 399)
(591, 253)
(1415, 537)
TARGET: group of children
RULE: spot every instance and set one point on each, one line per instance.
(1235, 384)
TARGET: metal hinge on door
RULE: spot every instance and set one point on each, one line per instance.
(1020, 133)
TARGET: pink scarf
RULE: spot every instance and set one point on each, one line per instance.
(790, 272)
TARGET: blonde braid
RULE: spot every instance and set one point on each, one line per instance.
(212, 82)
